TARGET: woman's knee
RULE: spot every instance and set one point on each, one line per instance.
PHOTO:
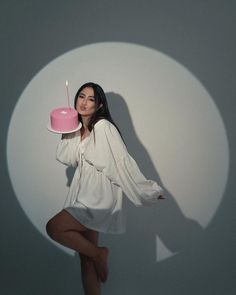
(52, 229)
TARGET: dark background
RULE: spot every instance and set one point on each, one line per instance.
(198, 34)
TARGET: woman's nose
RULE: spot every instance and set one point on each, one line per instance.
(84, 101)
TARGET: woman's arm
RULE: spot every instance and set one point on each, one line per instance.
(109, 155)
(66, 149)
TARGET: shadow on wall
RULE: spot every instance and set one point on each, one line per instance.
(135, 252)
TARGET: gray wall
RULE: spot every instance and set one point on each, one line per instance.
(198, 34)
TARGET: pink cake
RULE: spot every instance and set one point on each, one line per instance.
(64, 119)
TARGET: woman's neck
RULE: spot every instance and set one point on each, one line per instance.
(85, 121)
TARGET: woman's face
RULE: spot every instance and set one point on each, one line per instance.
(85, 105)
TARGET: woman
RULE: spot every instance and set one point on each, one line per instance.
(104, 170)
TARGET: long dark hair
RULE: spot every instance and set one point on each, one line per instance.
(101, 106)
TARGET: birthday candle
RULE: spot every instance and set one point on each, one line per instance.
(67, 92)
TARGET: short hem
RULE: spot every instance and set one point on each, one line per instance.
(67, 209)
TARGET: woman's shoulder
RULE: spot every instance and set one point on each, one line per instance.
(103, 123)
(105, 127)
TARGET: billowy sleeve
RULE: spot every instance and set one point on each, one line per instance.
(109, 154)
(66, 151)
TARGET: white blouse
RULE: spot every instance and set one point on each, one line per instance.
(104, 171)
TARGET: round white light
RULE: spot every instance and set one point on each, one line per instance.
(189, 146)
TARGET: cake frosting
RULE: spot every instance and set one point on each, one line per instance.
(64, 119)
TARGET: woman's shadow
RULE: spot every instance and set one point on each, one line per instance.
(136, 252)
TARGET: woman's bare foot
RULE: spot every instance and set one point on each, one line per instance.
(101, 264)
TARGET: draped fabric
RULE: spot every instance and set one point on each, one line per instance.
(108, 153)
(104, 171)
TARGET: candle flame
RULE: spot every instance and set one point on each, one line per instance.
(66, 83)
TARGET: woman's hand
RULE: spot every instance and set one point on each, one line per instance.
(161, 197)
(68, 135)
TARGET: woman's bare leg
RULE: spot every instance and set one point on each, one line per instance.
(66, 230)
(90, 279)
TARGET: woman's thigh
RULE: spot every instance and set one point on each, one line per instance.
(64, 221)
